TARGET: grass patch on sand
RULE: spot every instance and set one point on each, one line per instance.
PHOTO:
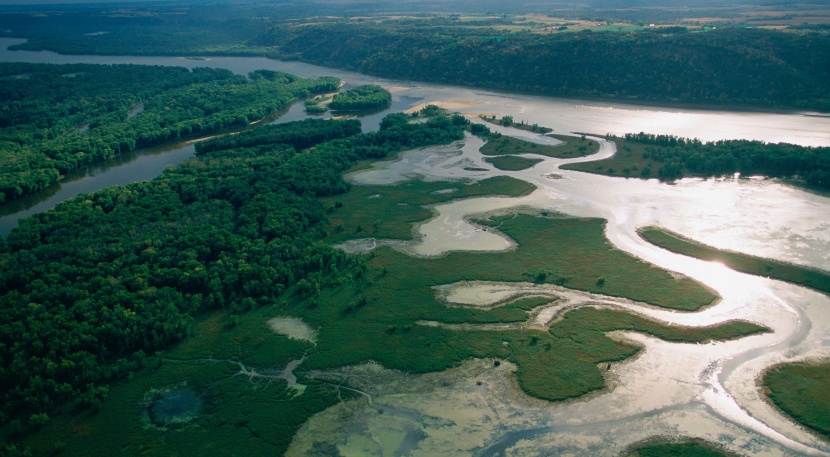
(689, 447)
(571, 147)
(802, 390)
(389, 211)
(631, 161)
(511, 163)
(808, 277)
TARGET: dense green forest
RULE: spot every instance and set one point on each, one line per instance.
(94, 286)
(365, 97)
(730, 65)
(668, 157)
(57, 118)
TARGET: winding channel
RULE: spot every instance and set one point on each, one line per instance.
(708, 391)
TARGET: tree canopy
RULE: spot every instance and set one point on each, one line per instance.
(57, 118)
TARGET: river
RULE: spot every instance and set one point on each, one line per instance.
(707, 391)
(564, 115)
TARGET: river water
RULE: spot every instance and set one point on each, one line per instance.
(708, 391)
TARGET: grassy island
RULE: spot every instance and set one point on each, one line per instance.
(802, 390)
(808, 277)
(571, 147)
(511, 163)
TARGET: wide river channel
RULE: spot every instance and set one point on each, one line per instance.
(707, 391)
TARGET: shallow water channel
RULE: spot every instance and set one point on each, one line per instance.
(707, 391)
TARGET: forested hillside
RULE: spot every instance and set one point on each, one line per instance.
(57, 118)
(729, 66)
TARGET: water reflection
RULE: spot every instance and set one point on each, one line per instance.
(707, 391)
(123, 169)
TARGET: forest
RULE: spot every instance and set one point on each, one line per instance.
(726, 66)
(97, 285)
(57, 118)
(729, 66)
(668, 157)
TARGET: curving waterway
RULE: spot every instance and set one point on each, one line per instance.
(708, 391)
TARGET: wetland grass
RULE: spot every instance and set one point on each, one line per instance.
(630, 161)
(511, 163)
(688, 447)
(808, 277)
(802, 390)
(390, 211)
(571, 147)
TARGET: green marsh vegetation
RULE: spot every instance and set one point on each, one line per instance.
(808, 277)
(95, 286)
(668, 158)
(169, 284)
(678, 448)
(511, 163)
(391, 211)
(802, 390)
(571, 146)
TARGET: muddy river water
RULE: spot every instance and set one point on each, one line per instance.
(708, 391)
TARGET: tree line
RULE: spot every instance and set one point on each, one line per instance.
(683, 157)
(724, 66)
(57, 118)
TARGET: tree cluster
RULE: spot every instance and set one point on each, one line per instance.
(682, 157)
(57, 118)
(365, 97)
